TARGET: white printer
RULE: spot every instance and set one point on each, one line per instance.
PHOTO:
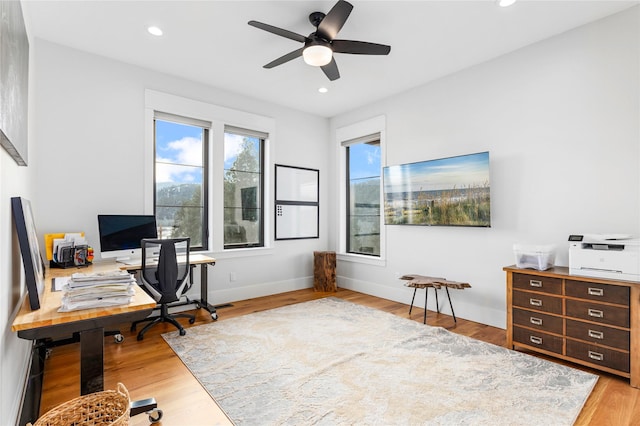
(612, 256)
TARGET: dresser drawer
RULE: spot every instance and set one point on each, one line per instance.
(599, 334)
(538, 339)
(536, 283)
(537, 320)
(603, 314)
(599, 356)
(599, 292)
(538, 302)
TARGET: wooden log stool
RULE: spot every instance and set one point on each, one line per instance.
(324, 271)
(420, 281)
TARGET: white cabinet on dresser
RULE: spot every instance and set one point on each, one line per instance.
(589, 321)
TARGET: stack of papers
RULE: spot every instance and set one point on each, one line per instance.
(85, 291)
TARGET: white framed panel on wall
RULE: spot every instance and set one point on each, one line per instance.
(296, 202)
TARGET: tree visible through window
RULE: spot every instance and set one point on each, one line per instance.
(243, 188)
(363, 198)
(180, 179)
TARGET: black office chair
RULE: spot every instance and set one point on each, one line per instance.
(165, 279)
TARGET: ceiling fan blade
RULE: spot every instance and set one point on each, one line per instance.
(285, 58)
(331, 70)
(278, 31)
(334, 20)
(359, 47)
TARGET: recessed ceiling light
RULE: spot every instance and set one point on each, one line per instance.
(505, 3)
(154, 31)
(323, 90)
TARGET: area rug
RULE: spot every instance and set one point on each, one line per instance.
(333, 362)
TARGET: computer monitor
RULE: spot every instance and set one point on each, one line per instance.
(120, 235)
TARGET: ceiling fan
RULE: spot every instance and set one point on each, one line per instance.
(320, 45)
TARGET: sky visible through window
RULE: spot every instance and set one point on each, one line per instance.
(364, 161)
(179, 145)
(178, 153)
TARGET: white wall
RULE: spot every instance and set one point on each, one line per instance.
(561, 121)
(15, 181)
(91, 146)
(14, 352)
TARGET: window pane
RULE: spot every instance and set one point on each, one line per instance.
(180, 222)
(243, 213)
(178, 143)
(180, 181)
(364, 161)
(364, 199)
(242, 153)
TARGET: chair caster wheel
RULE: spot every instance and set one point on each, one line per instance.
(214, 316)
(139, 337)
(192, 320)
(183, 332)
(118, 338)
(154, 419)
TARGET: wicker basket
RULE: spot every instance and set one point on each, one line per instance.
(109, 407)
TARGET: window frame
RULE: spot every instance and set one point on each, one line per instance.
(348, 212)
(219, 117)
(353, 133)
(206, 130)
(263, 141)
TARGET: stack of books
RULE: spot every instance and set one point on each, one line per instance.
(98, 290)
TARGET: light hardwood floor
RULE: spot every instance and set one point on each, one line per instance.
(150, 368)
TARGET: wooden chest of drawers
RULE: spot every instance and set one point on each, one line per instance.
(589, 321)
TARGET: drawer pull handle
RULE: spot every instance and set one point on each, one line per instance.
(596, 355)
(595, 291)
(535, 283)
(596, 313)
(535, 302)
(596, 334)
(536, 340)
(535, 321)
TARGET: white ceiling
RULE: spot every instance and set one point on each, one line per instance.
(210, 42)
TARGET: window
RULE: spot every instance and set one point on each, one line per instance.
(191, 151)
(180, 178)
(243, 188)
(363, 169)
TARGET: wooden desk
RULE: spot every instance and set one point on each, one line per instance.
(194, 259)
(46, 323)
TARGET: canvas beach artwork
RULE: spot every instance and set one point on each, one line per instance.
(453, 191)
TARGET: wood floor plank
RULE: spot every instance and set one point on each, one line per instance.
(150, 368)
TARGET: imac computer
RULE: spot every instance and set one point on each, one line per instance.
(120, 236)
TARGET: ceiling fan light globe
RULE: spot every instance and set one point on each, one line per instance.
(317, 55)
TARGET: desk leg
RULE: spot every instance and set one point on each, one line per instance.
(204, 290)
(91, 361)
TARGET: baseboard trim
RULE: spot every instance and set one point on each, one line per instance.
(218, 297)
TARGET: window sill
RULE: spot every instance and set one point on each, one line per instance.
(358, 258)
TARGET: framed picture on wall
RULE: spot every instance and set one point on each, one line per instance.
(14, 77)
(451, 191)
(29, 249)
